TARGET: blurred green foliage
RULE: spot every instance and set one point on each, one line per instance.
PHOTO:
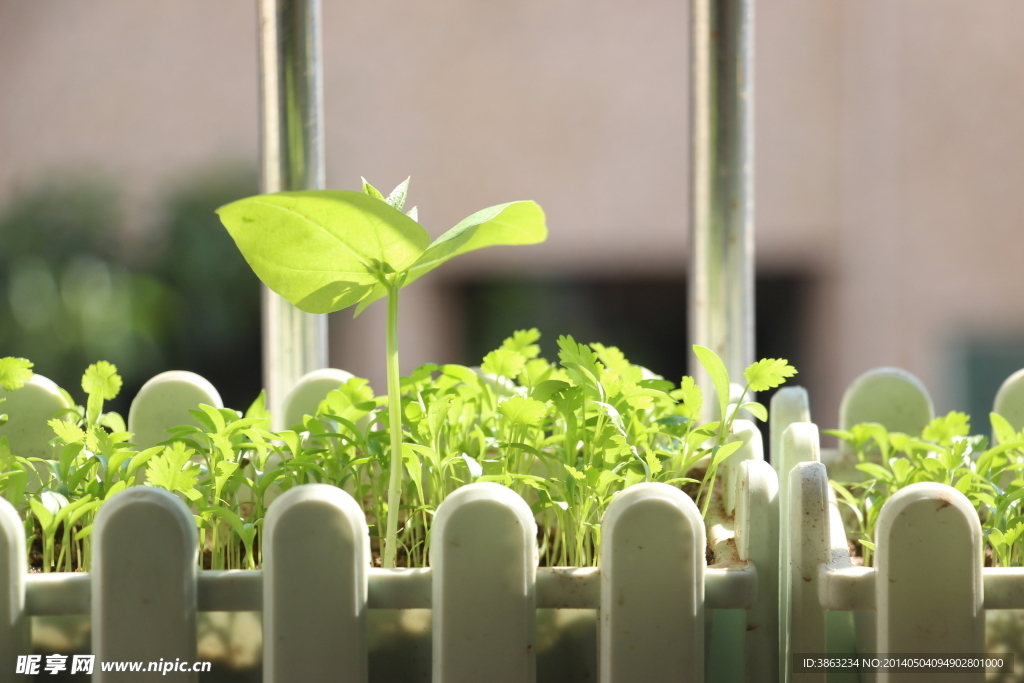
(73, 290)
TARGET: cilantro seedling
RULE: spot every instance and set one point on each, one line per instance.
(944, 453)
(566, 436)
(14, 372)
(763, 375)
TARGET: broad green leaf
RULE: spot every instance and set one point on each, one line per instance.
(102, 379)
(229, 516)
(719, 375)
(579, 360)
(113, 421)
(462, 374)
(505, 224)
(943, 429)
(66, 431)
(503, 363)
(576, 474)
(502, 225)
(1006, 502)
(876, 471)
(537, 370)
(756, 409)
(44, 515)
(523, 411)
(14, 372)
(613, 359)
(548, 388)
(414, 468)
(83, 506)
(475, 470)
(523, 342)
(437, 413)
(607, 478)
(323, 250)
(258, 411)
(172, 470)
(768, 373)
(690, 395)
(141, 459)
(901, 469)
(723, 452)
(1002, 428)
(224, 471)
(640, 398)
(115, 488)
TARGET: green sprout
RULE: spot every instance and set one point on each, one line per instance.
(327, 250)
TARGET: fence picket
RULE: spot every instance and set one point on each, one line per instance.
(752, 449)
(809, 549)
(316, 561)
(789, 405)
(890, 396)
(799, 443)
(484, 559)
(928, 591)
(27, 432)
(144, 568)
(307, 394)
(164, 401)
(1009, 401)
(14, 622)
(757, 541)
(652, 587)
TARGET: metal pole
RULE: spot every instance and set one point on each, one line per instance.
(292, 141)
(722, 192)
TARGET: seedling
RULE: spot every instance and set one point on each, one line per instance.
(327, 250)
(14, 372)
(567, 436)
(763, 375)
(944, 452)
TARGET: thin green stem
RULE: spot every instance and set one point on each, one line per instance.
(395, 428)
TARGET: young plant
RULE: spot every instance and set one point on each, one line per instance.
(944, 453)
(566, 436)
(327, 250)
(763, 375)
(14, 372)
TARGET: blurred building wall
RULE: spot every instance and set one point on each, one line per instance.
(888, 146)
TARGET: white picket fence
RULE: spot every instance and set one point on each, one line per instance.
(483, 586)
(928, 591)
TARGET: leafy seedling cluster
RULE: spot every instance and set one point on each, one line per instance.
(945, 452)
(566, 436)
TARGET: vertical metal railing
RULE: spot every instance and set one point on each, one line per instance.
(292, 142)
(722, 184)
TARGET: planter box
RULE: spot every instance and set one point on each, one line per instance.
(482, 611)
(928, 591)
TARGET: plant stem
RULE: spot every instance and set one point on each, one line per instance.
(395, 428)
